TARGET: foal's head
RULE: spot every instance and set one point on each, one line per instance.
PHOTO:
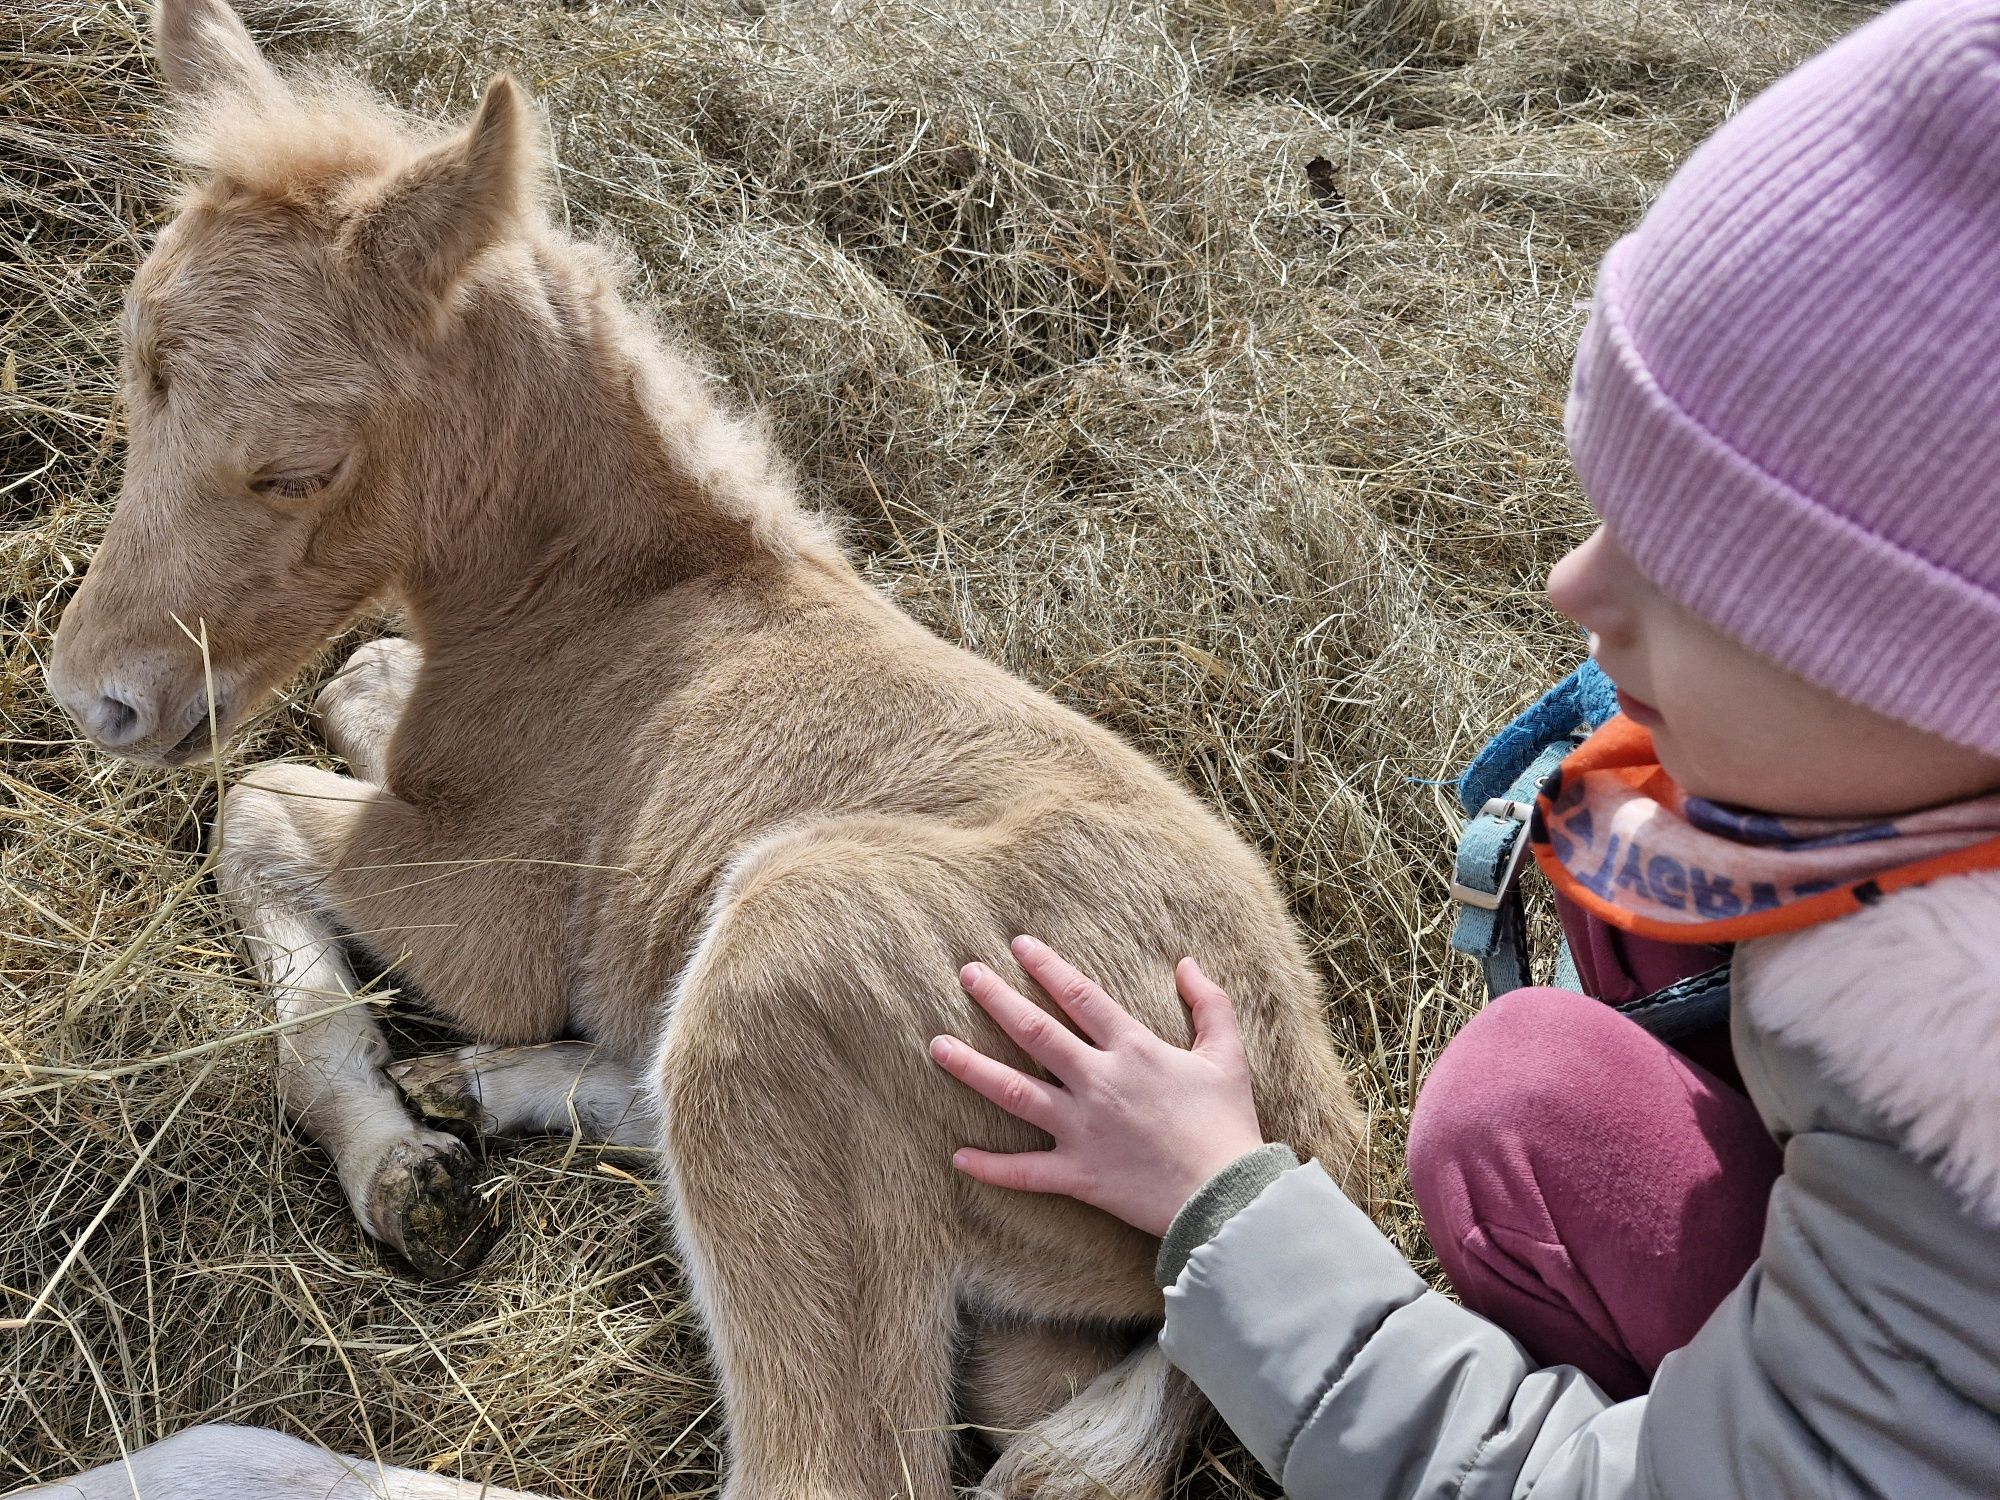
(271, 340)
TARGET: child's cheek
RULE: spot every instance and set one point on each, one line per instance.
(1678, 762)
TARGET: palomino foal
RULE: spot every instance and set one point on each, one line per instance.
(683, 824)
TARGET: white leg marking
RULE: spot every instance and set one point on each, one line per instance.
(408, 1184)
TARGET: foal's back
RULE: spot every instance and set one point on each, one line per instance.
(829, 747)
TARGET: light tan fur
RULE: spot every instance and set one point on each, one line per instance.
(655, 769)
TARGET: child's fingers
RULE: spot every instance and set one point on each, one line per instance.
(1032, 1029)
(1209, 1004)
(1101, 1018)
(1023, 1171)
(1014, 1091)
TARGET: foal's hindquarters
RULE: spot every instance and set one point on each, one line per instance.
(809, 1140)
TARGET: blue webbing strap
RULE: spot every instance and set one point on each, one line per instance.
(1567, 977)
(1583, 700)
(1491, 925)
(1498, 793)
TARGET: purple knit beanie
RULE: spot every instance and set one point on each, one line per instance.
(1787, 402)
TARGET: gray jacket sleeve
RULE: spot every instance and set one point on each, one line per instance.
(1345, 1375)
(1854, 1361)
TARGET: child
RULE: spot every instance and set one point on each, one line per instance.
(1787, 413)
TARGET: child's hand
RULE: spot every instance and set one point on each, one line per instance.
(1139, 1123)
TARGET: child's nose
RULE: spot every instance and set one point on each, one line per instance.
(1581, 589)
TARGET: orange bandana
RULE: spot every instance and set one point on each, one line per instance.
(1615, 835)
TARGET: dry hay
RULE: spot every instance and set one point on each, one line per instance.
(1201, 363)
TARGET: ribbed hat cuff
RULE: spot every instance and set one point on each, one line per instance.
(1785, 576)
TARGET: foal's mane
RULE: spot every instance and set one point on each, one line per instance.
(310, 143)
(322, 146)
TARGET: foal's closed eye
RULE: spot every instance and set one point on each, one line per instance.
(297, 482)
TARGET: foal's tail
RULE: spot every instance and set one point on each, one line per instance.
(1122, 1435)
(219, 1462)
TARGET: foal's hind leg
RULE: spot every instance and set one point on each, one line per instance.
(815, 1238)
(828, 1302)
(1015, 1371)
(409, 1185)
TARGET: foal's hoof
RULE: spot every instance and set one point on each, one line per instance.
(424, 1202)
(361, 703)
(444, 1089)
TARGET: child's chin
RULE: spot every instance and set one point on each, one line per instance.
(1753, 793)
(1698, 777)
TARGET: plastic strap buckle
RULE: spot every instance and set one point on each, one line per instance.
(1483, 879)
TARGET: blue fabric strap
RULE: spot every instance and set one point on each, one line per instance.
(1583, 700)
(1498, 793)
(1567, 977)
(1491, 925)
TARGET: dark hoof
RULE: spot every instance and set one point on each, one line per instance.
(426, 1206)
(442, 1089)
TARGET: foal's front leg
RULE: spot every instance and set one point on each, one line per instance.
(361, 704)
(410, 1186)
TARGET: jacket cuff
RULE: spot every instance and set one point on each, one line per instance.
(1216, 1202)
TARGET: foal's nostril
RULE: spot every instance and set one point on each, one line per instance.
(116, 722)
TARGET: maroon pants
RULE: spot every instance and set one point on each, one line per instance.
(1589, 1188)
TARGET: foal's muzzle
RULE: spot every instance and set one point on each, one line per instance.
(140, 712)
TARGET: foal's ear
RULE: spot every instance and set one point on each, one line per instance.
(422, 226)
(203, 48)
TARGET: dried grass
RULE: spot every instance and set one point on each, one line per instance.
(1201, 362)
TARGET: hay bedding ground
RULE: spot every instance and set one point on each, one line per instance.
(1203, 364)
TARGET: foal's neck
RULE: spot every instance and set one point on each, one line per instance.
(574, 467)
